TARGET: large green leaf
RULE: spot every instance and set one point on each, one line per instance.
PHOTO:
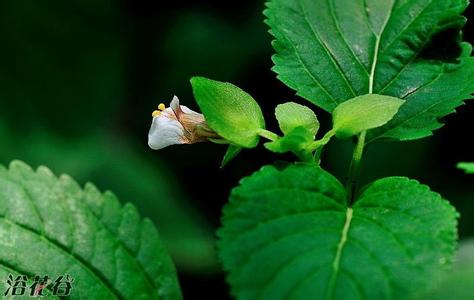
(51, 226)
(330, 51)
(288, 234)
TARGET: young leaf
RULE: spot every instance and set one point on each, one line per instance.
(229, 111)
(363, 113)
(332, 51)
(288, 234)
(291, 115)
(50, 226)
(230, 154)
(467, 167)
(295, 141)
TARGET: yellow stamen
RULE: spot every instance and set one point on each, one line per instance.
(155, 113)
(161, 106)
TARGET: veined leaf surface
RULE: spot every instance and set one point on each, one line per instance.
(289, 234)
(49, 226)
(330, 51)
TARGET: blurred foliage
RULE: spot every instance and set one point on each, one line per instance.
(62, 83)
(457, 284)
(112, 163)
(62, 66)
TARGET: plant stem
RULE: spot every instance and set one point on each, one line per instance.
(319, 144)
(355, 167)
(317, 155)
(268, 135)
(323, 141)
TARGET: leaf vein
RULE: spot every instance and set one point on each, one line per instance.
(360, 291)
(337, 258)
(307, 71)
(393, 235)
(328, 52)
(339, 31)
(279, 218)
(86, 266)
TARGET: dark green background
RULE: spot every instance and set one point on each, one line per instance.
(78, 83)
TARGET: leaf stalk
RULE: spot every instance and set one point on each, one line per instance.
(355, 167)
(268, 135)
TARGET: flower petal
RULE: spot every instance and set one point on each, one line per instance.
(186, 110)
(165, 131)
(179, 109)
(174, 104)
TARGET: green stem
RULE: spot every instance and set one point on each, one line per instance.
(306, 157)
(268, 135)
(317, 155)
(323, 141)
(355, 167)
(319, 144)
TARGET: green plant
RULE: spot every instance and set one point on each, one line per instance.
(383, 69)
(49, 226)
(297, 232)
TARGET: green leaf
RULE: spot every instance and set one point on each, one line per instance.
(467, 167)
(148, 184)
(332, 51)
(296, 141)
(230, 154)
(288, 234)
(229, 111)
(291, 115)
(299, 125)
(363, 113)
(51, 226)
(457, 283)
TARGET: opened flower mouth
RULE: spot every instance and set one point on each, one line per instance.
(177, 124)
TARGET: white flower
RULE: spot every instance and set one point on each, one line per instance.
(177, 124)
